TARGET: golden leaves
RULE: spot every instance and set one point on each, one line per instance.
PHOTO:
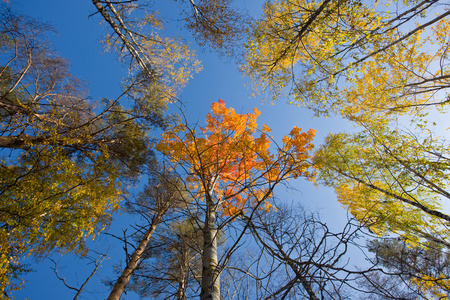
(350, 59)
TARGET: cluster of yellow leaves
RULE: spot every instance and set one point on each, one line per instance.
(173, 62)
(382, 214)
(437, 285)
(170, 59)
(282, 42)
(7, 263)
(54, 202)
(226, 160)
(352, 59)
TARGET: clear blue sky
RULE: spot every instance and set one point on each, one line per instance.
(77, 39)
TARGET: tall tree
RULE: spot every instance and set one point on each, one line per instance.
(163, 194)
(393, 182)
(301, 258)
(231, 173)
(355, 58)
(64, 161)
(377, 64)
(171, 265)
(214, 23)
(423, 270)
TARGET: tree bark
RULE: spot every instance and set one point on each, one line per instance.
(129, 42)
(124, 278)
(181, 288)
(210, 273)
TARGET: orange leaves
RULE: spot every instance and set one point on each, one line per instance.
(230, 166)
(222, 120)
(266, 128)
(297, 146)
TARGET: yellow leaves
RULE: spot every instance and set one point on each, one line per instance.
(268, 206)
(377, 175)
(436, 285)
(382, 214)
(350, 58)
(7, 262)
(168, 60)
(55, 202)
(266, 129)
(173, 62)
(440, 30)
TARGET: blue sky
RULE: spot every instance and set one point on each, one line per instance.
(77, 39)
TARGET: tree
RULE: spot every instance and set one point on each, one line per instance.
(355, 58)
(424, 270)
(301, 258)
(377, 64)
(216, 23)
(231, 174)
(95, 261)
(160, 197)
(391, 181)
(65, 162)
(171, 265)
(382, 287)
(138, 37)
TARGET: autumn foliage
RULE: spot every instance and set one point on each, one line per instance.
(231, 158)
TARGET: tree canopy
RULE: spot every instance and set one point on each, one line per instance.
(231, 173)
(358, 59)
(382, 65)
(65, 161)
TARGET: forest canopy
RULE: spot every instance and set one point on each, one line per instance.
(213, 197)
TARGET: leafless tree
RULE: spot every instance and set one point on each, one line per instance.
(96, 261)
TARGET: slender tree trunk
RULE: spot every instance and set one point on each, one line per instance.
(123, 280)
(181, 289)
(127, 38)
(210, 273)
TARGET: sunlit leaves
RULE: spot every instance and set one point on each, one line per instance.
(378, 64)
(229, 158)
(354, 58)
(64, 162)
(390, 181)
(139, 39)
(52, 201)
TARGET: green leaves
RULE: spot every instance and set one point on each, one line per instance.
(393, 182)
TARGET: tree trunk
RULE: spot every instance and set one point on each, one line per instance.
(127, 37)
(181, 289)
(123, 280)
(210, 273)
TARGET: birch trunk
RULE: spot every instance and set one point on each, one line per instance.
(181, 289)
(210, 273)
